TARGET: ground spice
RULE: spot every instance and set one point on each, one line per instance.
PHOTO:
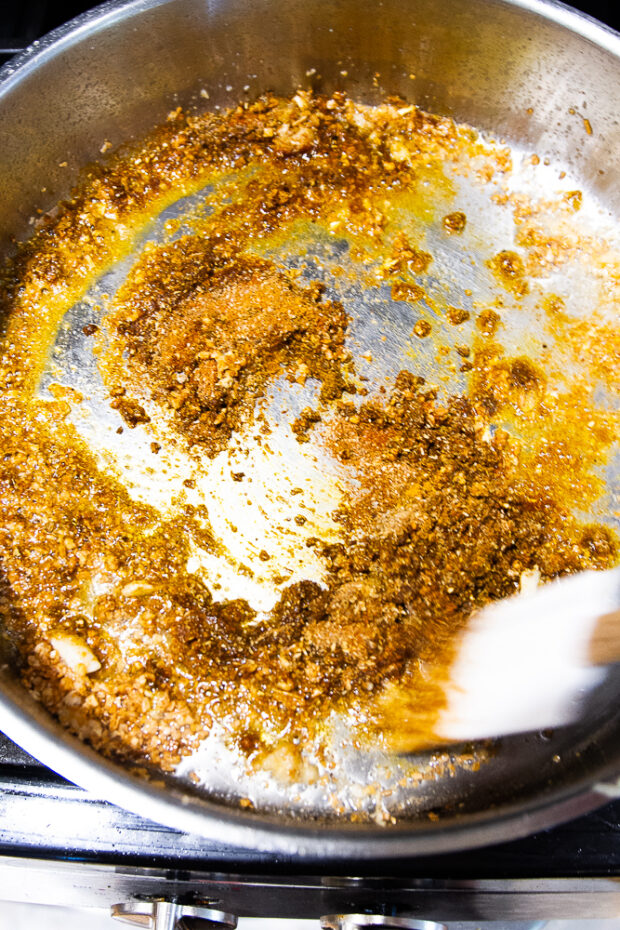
(98, 609)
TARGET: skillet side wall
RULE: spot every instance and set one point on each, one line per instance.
(483, 63)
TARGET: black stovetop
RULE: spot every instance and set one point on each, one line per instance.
(44, 816)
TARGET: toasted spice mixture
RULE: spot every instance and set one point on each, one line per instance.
(422, 329)
(325, 159)
(441, 525)
(208, 334)
(510, 271)
(454, 222)
(442, 511)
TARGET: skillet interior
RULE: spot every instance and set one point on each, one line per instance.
(484, 64)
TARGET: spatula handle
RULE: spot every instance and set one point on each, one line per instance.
(605, 641)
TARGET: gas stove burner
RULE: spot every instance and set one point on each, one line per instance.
(368, 921)
(163, 914)
(170, 915)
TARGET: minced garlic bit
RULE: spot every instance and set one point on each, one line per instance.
(75, 654)
(529, 580)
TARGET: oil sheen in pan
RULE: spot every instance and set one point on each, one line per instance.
(380, 338)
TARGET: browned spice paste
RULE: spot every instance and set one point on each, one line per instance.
(109, 628)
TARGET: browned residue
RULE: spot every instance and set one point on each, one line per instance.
(439, 518)
(509, 270)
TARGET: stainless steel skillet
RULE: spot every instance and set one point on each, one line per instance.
(115, 72)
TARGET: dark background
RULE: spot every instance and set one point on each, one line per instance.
(23, 21)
